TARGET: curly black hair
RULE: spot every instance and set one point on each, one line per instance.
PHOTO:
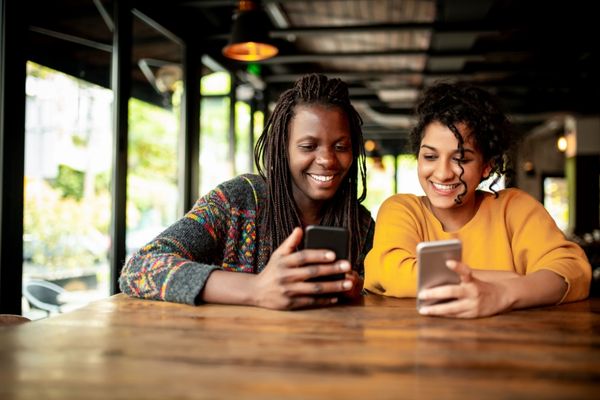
(454, 103)
(272, 163)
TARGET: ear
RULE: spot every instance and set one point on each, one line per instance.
(487, 169)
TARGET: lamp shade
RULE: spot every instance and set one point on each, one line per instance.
(250, 35)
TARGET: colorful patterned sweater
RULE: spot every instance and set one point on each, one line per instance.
(219, 232)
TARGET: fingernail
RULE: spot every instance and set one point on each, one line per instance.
(345, 266)
(330, 255)
(347, 285)
(450, 263)
(424, 310)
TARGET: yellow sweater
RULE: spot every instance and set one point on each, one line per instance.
(513, 232)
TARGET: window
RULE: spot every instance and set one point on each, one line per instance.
(556, 199)
(68, 154)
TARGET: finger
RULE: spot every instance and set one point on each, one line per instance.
(444, 292)
(318, 287)
(316, 270)
(352, 275)
(310, 301)
(311, 256)
(464, 272)
(455, 309)
(289, 245)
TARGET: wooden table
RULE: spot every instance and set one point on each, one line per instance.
(122, 348)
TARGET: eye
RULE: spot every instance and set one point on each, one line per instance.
(461, 160)
(430, 157)
(307, 146)
(341, 147)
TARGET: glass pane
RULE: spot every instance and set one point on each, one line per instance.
(215, 166)
(152, 193)
(68, 153)
(154, 127)
(407, 178)
(243, 152)
(556, 200)
(380, 182)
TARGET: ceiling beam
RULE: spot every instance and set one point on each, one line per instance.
(466, 27)
(317, 57)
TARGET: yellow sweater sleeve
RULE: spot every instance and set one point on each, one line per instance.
(537, 244)
(390, 266)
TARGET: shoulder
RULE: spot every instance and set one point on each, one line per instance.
(243, 187)
(242, 192)
(403, 201)
(243, 183)
(515, 206)
(513, 197)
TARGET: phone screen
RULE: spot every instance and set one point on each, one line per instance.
(328, 237)
(431, 264)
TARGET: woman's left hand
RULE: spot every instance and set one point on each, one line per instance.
(473, 297)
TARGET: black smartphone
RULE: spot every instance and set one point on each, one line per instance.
(432, 269)
(331, 238)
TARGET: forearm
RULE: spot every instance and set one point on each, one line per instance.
(494, 276)
(543, 287)
(225, 287)
(164, 277)
(396, 281)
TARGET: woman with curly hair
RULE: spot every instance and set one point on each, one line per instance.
(239, 243)
(514, 256)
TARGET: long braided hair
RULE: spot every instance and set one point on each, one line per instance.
(272, 162)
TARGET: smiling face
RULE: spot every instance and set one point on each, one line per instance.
(320, 154)
(440, 172)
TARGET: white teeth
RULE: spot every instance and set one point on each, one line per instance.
(441, 186)
(321, 178)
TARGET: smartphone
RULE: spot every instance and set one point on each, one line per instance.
(432, 269)
(331, 238)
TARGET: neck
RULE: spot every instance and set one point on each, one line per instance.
(453, 219)
(310, 216)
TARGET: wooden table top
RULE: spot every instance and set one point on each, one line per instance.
(123, 348)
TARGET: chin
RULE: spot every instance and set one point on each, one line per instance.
(442, 203)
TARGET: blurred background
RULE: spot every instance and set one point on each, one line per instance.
(117, 115)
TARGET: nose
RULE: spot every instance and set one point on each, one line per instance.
(326, 158)
(444, 171)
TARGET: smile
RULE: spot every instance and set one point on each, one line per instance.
(443, 187)
(322, 178)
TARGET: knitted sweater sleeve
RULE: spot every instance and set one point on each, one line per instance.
(176, 264)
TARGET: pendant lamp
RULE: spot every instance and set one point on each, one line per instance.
(250, 34)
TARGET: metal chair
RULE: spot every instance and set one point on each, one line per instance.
(44, 295)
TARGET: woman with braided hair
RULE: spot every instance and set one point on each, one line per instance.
(239, 243)
(514, 255)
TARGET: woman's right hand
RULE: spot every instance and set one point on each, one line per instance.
(282, 284)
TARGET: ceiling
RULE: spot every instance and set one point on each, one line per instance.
(539, 57)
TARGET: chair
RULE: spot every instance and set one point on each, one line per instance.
(44, 295)
(12, 319)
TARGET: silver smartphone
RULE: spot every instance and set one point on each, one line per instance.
(328, 237)
(431, 265)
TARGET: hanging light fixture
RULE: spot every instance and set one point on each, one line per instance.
(250, 35)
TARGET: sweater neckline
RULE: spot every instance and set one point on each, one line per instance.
(431, 216)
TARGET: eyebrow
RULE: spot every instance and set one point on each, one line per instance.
(465, 149)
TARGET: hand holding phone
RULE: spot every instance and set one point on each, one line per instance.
(432, 269)
(331, 238)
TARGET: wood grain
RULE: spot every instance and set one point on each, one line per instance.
(123, 348)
